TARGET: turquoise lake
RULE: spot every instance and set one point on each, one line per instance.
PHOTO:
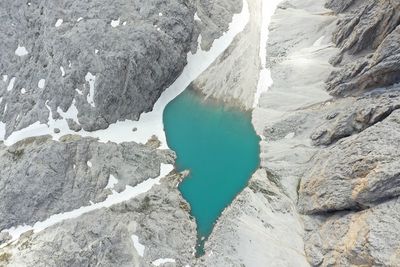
(220, 148)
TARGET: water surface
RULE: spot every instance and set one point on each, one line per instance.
(220, 148)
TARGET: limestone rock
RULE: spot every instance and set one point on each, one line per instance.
(367, 238)
(369, 30)
(40, 177)
(355, 116)
(104, 237)
(356, 172)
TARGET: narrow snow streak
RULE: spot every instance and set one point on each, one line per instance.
(265, 80)
(58, 23)
(159, 262)
(139, 247)
(11, 84)
(150, 123)
(90, 78)
(115, 198)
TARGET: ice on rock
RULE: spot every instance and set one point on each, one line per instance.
(112, 181)
(58, 23)
(62, 71)
(90, 78)
(21, 51)
(115, 23)
(139, 247)
(41, 83)
(11, 84)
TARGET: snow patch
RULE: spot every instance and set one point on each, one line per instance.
(290, 135)
(89, 164)
(265, 80)
(23, 91)
(115, 198)
(96, 51)
(139, 247)
(41, 83)
(2, 130)
(112, 181)
(196, 17)
(11, 84)
(115, 23)
(160, 262)
(160, 14)
(5, 78)
(62, 71)
(124, 23)
(79, 19)
(318, 42)
(21, 51)
(90, 78)
(58, 23)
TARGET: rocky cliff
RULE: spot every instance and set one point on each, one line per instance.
(327, 191)
(71, 200)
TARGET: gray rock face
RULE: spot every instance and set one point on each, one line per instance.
(349, 193)
(354, 117)
(159, 219)
(132, 49)
(215, 16)
(367, 238)
(40, 177)
(368, 35)
(356, 172)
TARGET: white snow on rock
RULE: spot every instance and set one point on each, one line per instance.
(196, 17)
(62, 71)
(115, 198)
(89, 164)
(2, 130)
(41, 83)
(115, 23)
(96, 51)
(58, 23)
(139, 247)
(79, 91)
(79, 19)
(112, 181)
(5, 78)
(21, 51)
(11, 84)
(23, 91)
(124, 23)
(160, 262)
(90, 78)
(160, 14)
(265, 80)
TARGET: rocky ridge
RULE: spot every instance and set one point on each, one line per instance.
(329, 161)
(106, 64)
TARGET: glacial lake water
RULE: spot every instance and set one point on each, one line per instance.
(220, 148)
